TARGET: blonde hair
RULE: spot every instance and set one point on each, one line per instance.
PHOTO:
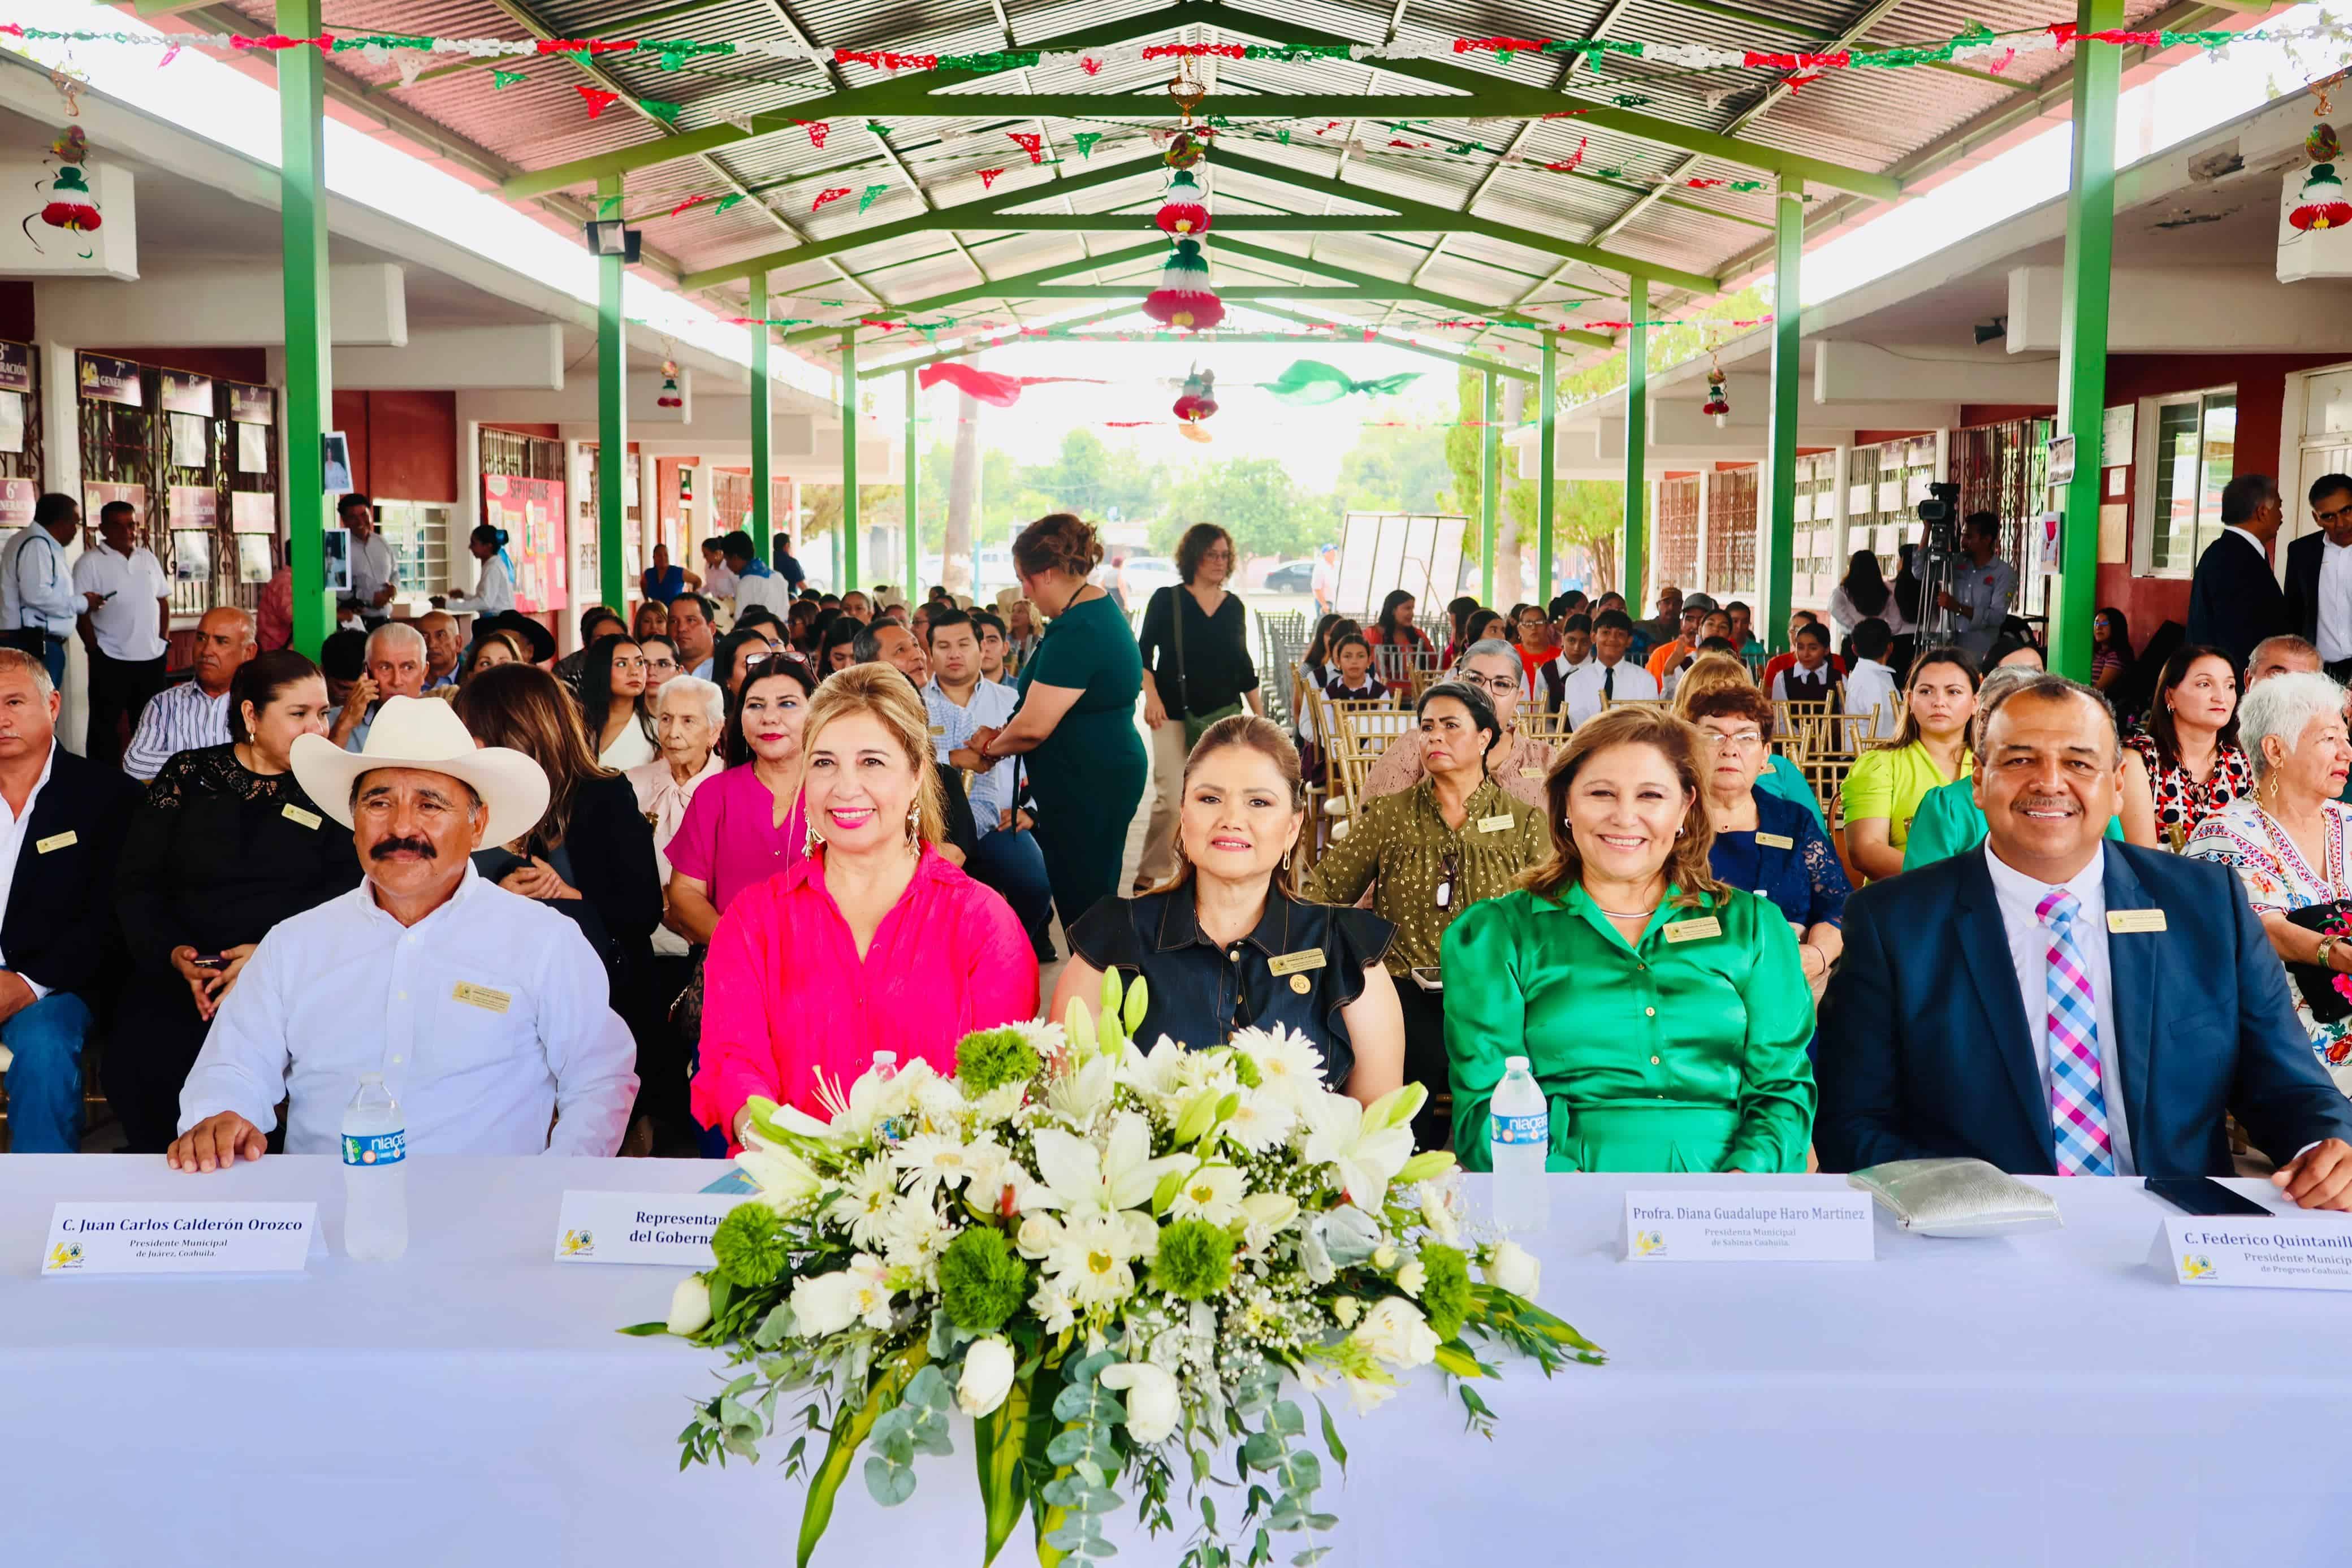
(1686, 865)
(1263, 736)
(882, 694)
(1709, 674)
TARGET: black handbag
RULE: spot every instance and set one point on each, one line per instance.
(2322, 988)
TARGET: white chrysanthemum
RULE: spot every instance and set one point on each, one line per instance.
(1289, 1067)
(929, 1161)
(867, 1193)
(913, 1237)
(1053, 1305)
(1261, 1122)
(1093, 1258)
(1212, 1193)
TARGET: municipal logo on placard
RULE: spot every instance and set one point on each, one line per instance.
(1648, 1244)
(2197, 1266)
(579, 1244)
(64, 1255)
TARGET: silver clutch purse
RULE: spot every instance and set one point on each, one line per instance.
(1957, 1198)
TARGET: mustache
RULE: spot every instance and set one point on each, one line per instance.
(384, 849)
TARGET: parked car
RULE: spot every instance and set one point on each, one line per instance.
(1291, 577)
(1145, 575)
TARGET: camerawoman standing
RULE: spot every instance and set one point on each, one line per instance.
(1196, 671)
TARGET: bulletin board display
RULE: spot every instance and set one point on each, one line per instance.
(532, 512)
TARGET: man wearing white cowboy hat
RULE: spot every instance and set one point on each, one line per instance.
(486, 1013)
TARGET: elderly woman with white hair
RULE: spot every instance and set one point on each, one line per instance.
(689, 721)
(1518, 762)
(2287, 841)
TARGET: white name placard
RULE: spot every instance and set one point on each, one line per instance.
(2290, 1252)
(1751, 1226)
(178, 1238)
(640, 1227)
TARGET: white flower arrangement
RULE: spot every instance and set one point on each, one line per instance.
(1111, 1260)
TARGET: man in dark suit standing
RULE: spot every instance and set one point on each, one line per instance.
(2319, 576)
(2006, 1004)
(61, 826)
(2234, 601)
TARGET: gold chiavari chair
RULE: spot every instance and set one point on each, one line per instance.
(1364, 730)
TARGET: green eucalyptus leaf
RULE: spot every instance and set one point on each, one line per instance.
(930, 1389)
(1287, 1418)
(890, 1484)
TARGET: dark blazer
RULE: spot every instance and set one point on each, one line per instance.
(1924, 1049)
(2303, 558)
(2234, 601)
(59, 927)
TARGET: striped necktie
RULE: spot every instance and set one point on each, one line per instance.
(2078, 1103)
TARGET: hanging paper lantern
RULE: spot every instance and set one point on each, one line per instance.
(1184, 298)
(1200, 399)
(1182, 211)
(1718, 402)
(2322, 204)
(670, 395)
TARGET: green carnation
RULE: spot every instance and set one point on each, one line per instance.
(982, 1282)
(993, 1058)
(1445, 1289)
(752, 1245)
(1245, 1070)
(1196, 1260)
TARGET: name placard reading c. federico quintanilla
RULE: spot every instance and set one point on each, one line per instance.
(2286, 1252)
(1749, 1225)
(178, 1238)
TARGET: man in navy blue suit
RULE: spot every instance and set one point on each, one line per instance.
(2059, 1005)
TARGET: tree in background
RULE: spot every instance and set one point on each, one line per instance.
(1254, 499)
(1395, 468)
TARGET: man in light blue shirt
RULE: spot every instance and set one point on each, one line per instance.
(960, 703)
(38, 601)
(486, 1013)
(1983, 586)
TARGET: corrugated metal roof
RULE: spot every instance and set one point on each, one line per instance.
(1872, 121)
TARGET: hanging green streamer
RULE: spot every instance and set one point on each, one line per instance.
(1086, 141)
(1309, 384)
(499, 78)
(666, 113)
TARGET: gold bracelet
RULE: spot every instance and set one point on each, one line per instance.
(2328, 951)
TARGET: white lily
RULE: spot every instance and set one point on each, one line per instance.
(1086, 1180)
(784, 1179)
(1156, 1074)
(1077, 1098)
(1365, 1162)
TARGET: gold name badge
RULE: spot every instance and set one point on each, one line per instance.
(1775, 842)
(1693, 930)
(293, 814)
(1296, 963)
(482, 996)
(2122, 922)
(55, 842)
(1495, 824)
(1531, 772)
(938, 729)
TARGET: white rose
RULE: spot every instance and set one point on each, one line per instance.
(1412, 1277)
(1346, 1311)
(1511, 1266)
(689, 1305)
(1396, 1332)
(1153, 1406)
(1384, 1256)
(1037, 1236)
(825, 1304)
(987, 1376)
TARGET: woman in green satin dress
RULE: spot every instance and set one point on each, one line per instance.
(1077, 718)
(1664, 1015)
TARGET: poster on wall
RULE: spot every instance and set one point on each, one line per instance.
(253, 564)
(12, 422)
(336, 544)
(252, 512)
(110, 380)
(252, 448)
(336, 455)
(192, 445)
(250, 405)
(15, 367)
(16, 498)
(193, 506)
(96, 495)
(192, 556)
(181, 392)
(531, 512)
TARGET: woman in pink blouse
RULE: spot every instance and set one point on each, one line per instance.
(869, 942)
(745, 825)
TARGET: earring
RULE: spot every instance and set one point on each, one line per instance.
(914, 825)
(814, 842)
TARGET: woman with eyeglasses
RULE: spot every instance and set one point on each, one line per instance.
(1764, 843)
(1429, 854)
(1519, 761)
(612, 686)
(1194, 643)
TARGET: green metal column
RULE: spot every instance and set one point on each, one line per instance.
(1489, 481)
(1637, 439)
(1546, 464)
(849, 460)
(1777, 577)
(914, 533)
(763, 482)
(612, 412)
(2083, 334)
(310, 384)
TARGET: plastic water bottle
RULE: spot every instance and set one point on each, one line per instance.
(375, 1174)
(1519, 1136)
(885, 1066)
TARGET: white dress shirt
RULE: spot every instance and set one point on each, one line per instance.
(177, 718)
(2029, 953)
(12, 844)
(953, 727)
(2335, 637)
(130, 625)
(373, 564)
(493, 592)
(344, 989)
(718, 583)
(768, 588)
(1870, 688)
(35, 587)
(1624, 681)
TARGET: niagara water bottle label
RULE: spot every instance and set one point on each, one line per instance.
(375, 1149)
(1535, 1129)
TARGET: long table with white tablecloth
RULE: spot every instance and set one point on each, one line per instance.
(2042, 1399)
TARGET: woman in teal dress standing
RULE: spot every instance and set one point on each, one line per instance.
(1664, 1015)
(1077, 718)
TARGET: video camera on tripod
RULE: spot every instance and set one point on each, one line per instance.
(1938, 562)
